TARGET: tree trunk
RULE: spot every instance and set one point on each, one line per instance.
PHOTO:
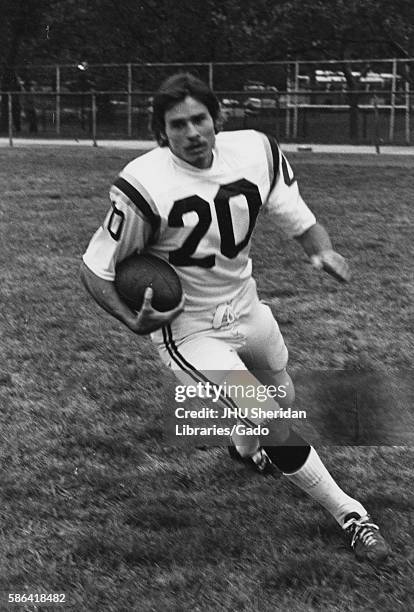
(10, 82)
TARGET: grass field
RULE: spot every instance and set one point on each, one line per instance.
(94, 504)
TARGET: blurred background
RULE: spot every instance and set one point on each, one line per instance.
(328, 71)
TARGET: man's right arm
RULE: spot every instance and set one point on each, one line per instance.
(143, 322)
(105, 294)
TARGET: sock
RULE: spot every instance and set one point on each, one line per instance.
(290, 456)
(314, 479)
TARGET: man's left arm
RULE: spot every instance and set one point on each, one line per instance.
(296, 219)
(318, 246)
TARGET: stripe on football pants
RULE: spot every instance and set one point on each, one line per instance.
(139, 201)
(195, 374)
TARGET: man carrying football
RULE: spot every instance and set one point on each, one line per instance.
(193, 201)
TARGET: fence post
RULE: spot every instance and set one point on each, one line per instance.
(288, 99)
(129, 100)
(58, 100)
(392, 111)
(407, 105)
(94, 119)
(210, 75)
(10, 115)
(295, 101)
(376, 125)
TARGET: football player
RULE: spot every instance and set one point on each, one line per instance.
(193, 201)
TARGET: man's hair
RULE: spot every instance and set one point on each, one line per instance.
(175, 89)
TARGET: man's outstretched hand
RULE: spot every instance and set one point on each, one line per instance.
(333, 263)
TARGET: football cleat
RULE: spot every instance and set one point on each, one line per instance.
(259, 462)
(366, 541)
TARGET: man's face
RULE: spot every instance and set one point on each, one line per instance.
(189, 128)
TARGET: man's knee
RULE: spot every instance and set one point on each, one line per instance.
(285, 395)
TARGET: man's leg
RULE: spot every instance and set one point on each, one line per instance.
(266, 355)
(203, 358)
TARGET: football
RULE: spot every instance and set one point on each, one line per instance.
(139, 271)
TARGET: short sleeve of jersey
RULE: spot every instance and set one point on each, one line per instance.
(284, 201)
(129, 227)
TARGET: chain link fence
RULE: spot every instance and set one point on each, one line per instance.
(362, 102)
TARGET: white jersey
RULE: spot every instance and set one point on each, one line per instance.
(200, 220)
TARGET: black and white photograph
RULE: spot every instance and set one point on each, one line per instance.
(207, 319)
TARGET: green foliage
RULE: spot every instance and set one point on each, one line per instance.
(203, 30)
(341, 29)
